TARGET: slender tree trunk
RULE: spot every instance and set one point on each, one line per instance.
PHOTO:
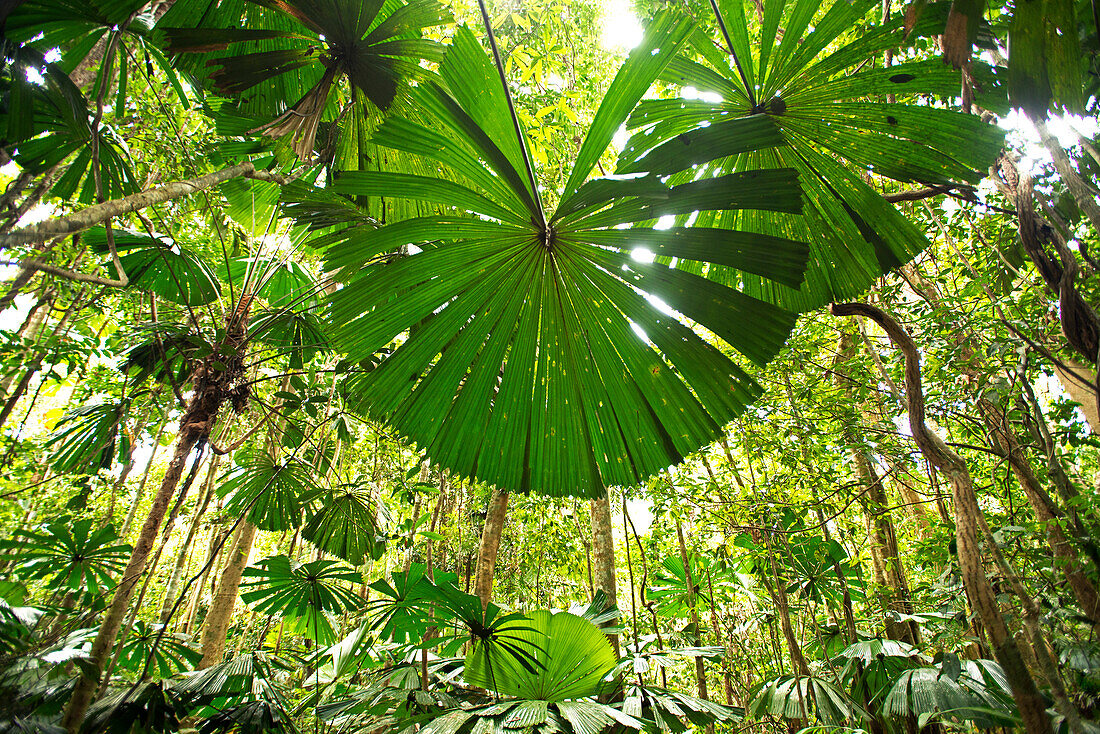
(217, 539)
(700, 669)
(1029, 701)
(116, 613)
(141, 485)
(603, 547)
(490, 544)
(186, 547)
(221, 609)
(212, 386)
(35, 365)
(229, 584)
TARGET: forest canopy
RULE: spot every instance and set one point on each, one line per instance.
(540, 366)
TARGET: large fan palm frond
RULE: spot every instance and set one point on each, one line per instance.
(803, 79)
(532, 351)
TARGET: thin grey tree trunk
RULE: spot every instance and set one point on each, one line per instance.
(603, 556)
(490, 544)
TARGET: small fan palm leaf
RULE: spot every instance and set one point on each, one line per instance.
(85, 438)
(270, 493)
(537, 353)
(814, 88)
(403, 610)
(69, 555)
(346, 525)
(797, 697)
(570, 656)
(306, 592)
(173, 273)
(171, 652)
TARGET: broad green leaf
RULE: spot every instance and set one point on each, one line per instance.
(570, 655)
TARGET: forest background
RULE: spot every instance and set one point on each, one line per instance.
(345, 345)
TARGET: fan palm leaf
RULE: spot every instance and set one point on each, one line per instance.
(170, 652)
(346, 525)
(55, 122)
(570, 656)
(84, 439)
(805, 80)
(69, 555)
(171, 272)
(306, 593)
(536, 353)
(270, 492)
(301, 50)
(796, 697)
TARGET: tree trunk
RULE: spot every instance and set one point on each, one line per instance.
(1029, 701)
(1077, 380)
(185, 549)
(603, 554)
(216, 544)
(125, 531)
(700, 669)
(1049, 516)
(213, 385)
(490, 544)
(116, 613)
(221, 609)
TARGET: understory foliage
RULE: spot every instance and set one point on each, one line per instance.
(389, 365)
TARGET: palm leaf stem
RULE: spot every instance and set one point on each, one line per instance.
(733, 54)
(531, 178)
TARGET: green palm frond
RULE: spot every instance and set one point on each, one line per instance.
(282, 283)
(170, 272)
(569, 658)
(672, 711)
(271, 493)
(69, 554)
(302, 49)
(85, 438)
(932, 692)
(346, 525)
(248, 677)
(812, 86)
(799, 697)
(55, 122)
(171, 652)
(303, 593)
(408, 604)
(147, 707)
(251, 717)
(540, 354)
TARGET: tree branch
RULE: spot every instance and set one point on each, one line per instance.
(931, 445)
(99, 213)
